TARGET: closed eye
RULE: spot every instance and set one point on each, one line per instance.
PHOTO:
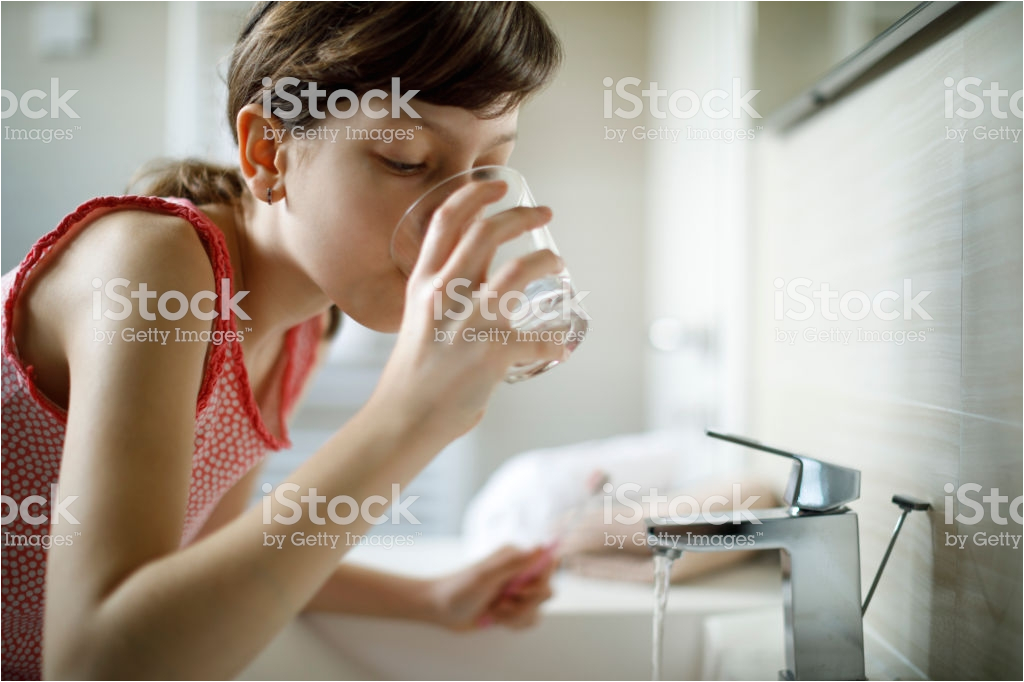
(401, 167)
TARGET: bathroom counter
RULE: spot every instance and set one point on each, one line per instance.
(591, 629)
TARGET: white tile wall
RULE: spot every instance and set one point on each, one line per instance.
(864, 194)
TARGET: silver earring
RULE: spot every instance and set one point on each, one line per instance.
(270, 196)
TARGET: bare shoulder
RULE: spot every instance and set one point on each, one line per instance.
(141, 243)
(160, 250)
(127, 248)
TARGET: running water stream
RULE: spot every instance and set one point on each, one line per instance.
(662, 577)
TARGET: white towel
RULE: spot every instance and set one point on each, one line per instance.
(522, 502)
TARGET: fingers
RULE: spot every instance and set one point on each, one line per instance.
(507, 558)
(544, 579)
(520, 608)
(537, 588)
(512, 569)
(531, 596)
(514, 276)
(538, 591)
(505, 564)
(529, 352)
(519, 272)
(450, 221)
(474, 253)
(520, 611)
(535, 578)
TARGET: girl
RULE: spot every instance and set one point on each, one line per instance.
(154, 426)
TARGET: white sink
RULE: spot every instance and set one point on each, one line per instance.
(592, 629)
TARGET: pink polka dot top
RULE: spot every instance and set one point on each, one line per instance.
(231, 435)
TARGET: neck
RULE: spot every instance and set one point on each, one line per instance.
(281, 295)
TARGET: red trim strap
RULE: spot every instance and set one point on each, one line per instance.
(216, 249)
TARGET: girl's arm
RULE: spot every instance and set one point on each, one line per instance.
(124, 600)
(469, 598)
(473, 597)
(463, 600)
(466, 599)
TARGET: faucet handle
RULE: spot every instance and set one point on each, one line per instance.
(814, 485)
(908, 503)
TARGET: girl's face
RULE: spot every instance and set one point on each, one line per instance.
(348, 186)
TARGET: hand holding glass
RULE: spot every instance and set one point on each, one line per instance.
(546, 309)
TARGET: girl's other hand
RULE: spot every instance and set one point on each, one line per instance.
(489, 593)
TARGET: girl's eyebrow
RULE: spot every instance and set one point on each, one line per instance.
(504, 138)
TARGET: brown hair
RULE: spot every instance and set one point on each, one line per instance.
(483, 56)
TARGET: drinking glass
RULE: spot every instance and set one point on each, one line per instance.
(543, 310)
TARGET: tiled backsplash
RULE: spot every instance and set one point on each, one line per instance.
(870, 192)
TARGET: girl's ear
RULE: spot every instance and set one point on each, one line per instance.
(261, 152)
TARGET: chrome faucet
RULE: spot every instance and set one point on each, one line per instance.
(820, 555)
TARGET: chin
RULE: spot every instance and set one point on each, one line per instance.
(388, 325)
(377, 307)
(379, 317)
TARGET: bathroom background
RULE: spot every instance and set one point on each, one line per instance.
(686, 247)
